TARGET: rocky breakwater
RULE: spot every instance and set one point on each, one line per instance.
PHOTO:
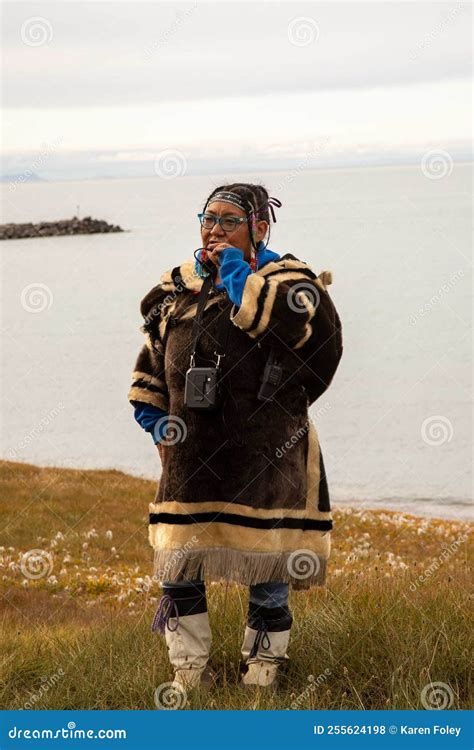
(87, 225)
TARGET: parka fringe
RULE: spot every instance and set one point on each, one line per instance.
(246, 568)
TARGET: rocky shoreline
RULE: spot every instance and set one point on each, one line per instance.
(87, 225)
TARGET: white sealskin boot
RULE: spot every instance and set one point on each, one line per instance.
(266, 638)
(182, 618)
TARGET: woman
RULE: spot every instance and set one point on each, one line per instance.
(243, 495)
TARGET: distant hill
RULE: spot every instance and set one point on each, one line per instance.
(26, 176)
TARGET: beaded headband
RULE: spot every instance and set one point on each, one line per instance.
(227, 197)
(236, 200)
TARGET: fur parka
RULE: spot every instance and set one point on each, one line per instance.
(243, 494)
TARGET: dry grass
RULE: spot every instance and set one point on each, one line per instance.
(79, 637)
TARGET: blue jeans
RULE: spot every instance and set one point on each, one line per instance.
(271, 594)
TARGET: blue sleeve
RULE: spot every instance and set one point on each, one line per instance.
(234, 271)
(148, 417)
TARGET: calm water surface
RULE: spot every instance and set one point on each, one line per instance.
(395, 425)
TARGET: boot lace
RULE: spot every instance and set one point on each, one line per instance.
(261, 639)
(162, 615)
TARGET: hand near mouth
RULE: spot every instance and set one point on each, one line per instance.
(214, 248)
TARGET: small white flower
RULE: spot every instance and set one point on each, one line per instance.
(108, 534)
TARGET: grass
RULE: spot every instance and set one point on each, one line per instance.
(393, 619)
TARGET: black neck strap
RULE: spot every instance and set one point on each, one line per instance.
(224, 322)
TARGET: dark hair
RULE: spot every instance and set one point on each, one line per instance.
(257, 202)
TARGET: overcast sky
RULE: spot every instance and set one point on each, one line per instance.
(121, 82)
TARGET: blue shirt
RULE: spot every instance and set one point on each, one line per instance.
(234, 271)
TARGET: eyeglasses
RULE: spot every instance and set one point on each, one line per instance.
(227, 223)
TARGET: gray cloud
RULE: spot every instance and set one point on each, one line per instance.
(127, 54)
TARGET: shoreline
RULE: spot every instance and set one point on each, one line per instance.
(338, 505)
(437, 512)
